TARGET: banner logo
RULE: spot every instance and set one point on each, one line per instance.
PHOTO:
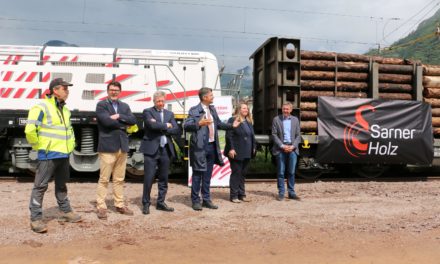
(374, 131)
(352, 139)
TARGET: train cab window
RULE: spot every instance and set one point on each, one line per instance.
(95, 78)
(88, 95)
(65, 75)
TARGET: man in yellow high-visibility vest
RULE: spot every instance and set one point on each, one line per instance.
(50, 132)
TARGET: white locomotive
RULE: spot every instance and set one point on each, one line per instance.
(26, 71)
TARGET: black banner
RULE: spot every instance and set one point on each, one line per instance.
(368, 131)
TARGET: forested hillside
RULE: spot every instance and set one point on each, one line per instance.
(422, 44)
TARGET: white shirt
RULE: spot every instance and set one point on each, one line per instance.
(208, 113)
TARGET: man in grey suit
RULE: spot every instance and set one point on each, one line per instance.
(113, 117)
(286, 137)
(158, 148)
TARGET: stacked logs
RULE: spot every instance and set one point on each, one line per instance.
(347, 75)
(431, 94)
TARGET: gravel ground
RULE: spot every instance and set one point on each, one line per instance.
(343, 222)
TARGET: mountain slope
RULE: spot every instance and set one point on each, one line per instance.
(422, 44)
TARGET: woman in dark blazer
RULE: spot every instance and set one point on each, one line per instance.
(240, 148)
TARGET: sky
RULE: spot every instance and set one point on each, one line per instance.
(230, 29)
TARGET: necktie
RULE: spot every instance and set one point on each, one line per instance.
(211, 126)
(163, 138)
(115, 106)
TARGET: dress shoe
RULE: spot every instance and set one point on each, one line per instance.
(102, 214)
(164, 207)
(294, 197)
(235, 200)
(124, 210)
(146, 209)
(197, 206)
(209, 204)
(244, 199)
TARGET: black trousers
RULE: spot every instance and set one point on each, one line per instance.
(160, 161)
(238, 174)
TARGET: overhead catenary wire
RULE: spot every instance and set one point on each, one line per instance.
(227, 34)
(208, 4)
(423, 17)
(257, 8)
(410, 19)
(236, 33)
(419, 39)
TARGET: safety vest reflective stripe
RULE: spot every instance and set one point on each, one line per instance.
(54, 132)
(62, 128)
(51, 135)
(34, 122)
(48, 115)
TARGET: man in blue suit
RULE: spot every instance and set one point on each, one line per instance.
(158, 148)
(113, 117)
(203, 123)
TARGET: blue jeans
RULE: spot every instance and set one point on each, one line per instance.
(203, 178)
(286, 163)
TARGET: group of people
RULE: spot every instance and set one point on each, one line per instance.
(50, 133)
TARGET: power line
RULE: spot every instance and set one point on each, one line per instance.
(179, 28)
(70, 30)
(409, 19)
(419, 39)
(257, 8)
(239, 34)
(195, 35)
(417, 23)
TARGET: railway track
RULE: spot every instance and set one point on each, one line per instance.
(252, 179)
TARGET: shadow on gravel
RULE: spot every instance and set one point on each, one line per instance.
(182, 199)
(51, 213)
(222, 195)
(263, 193)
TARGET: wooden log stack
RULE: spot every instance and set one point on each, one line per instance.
(347, 75)
(431, 94)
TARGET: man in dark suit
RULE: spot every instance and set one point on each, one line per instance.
(286, 137)
(158, 148)
(114, 117)
(204, 122)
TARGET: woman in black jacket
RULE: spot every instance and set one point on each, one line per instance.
(240, 148)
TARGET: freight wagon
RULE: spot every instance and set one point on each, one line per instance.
(357, 112)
